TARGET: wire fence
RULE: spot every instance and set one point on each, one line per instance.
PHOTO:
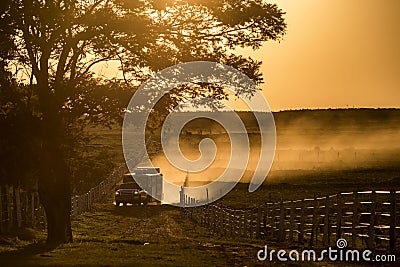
(366, 219)
(83, 203)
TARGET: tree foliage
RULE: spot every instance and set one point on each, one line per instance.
(54, 46)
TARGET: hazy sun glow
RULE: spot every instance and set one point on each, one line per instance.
(336, 53)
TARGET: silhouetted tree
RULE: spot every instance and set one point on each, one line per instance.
(58, 42)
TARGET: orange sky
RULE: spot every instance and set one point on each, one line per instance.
(337, 53)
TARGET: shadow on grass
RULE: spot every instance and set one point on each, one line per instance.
(26, 252)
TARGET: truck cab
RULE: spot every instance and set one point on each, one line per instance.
(130, 191)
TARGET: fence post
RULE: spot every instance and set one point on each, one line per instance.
(1, 209)
(91, 199)
(9, 207)
(218, 218)
(86, 202)
(251, 223)
(238, 223)
(33, 209)
(301, 225)
(354, 222)
(291, 225)
(371, 229)
(202, 216)
(71, 213)
(327, 229)
(392, 231)
(44, 216)
(89, 196)
(208, 216)
(228, 221)
(339, 216)
(212, 217)
(245, 223)
(281, 232)
(75, 211)
(76, 205)
(265, 219)
(271, 221)
(258, 221)
(18, 206)
(314, 222)
(231, 222)
(26, 217)
(215, 213)
(254, 222)
(221, 220)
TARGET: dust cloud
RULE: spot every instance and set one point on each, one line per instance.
(306, 140)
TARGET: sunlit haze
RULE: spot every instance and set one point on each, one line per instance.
(336, 54)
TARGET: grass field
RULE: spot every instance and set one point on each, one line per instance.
(132, 236)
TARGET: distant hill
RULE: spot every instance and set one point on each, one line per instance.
(336, 118)
(374, 133)
(323, 118)
(378, 128)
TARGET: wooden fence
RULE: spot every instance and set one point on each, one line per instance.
(21, 208)
(365, 219)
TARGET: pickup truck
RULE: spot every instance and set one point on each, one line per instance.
(150, 179)
(130, 193)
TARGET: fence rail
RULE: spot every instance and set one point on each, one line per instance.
(365, 219)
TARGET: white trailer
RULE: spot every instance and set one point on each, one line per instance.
(148, 178)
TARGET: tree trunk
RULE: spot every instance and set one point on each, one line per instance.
(54, 182)
(56, 201)
(55, 196)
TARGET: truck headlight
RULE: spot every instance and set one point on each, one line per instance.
(117, 193)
